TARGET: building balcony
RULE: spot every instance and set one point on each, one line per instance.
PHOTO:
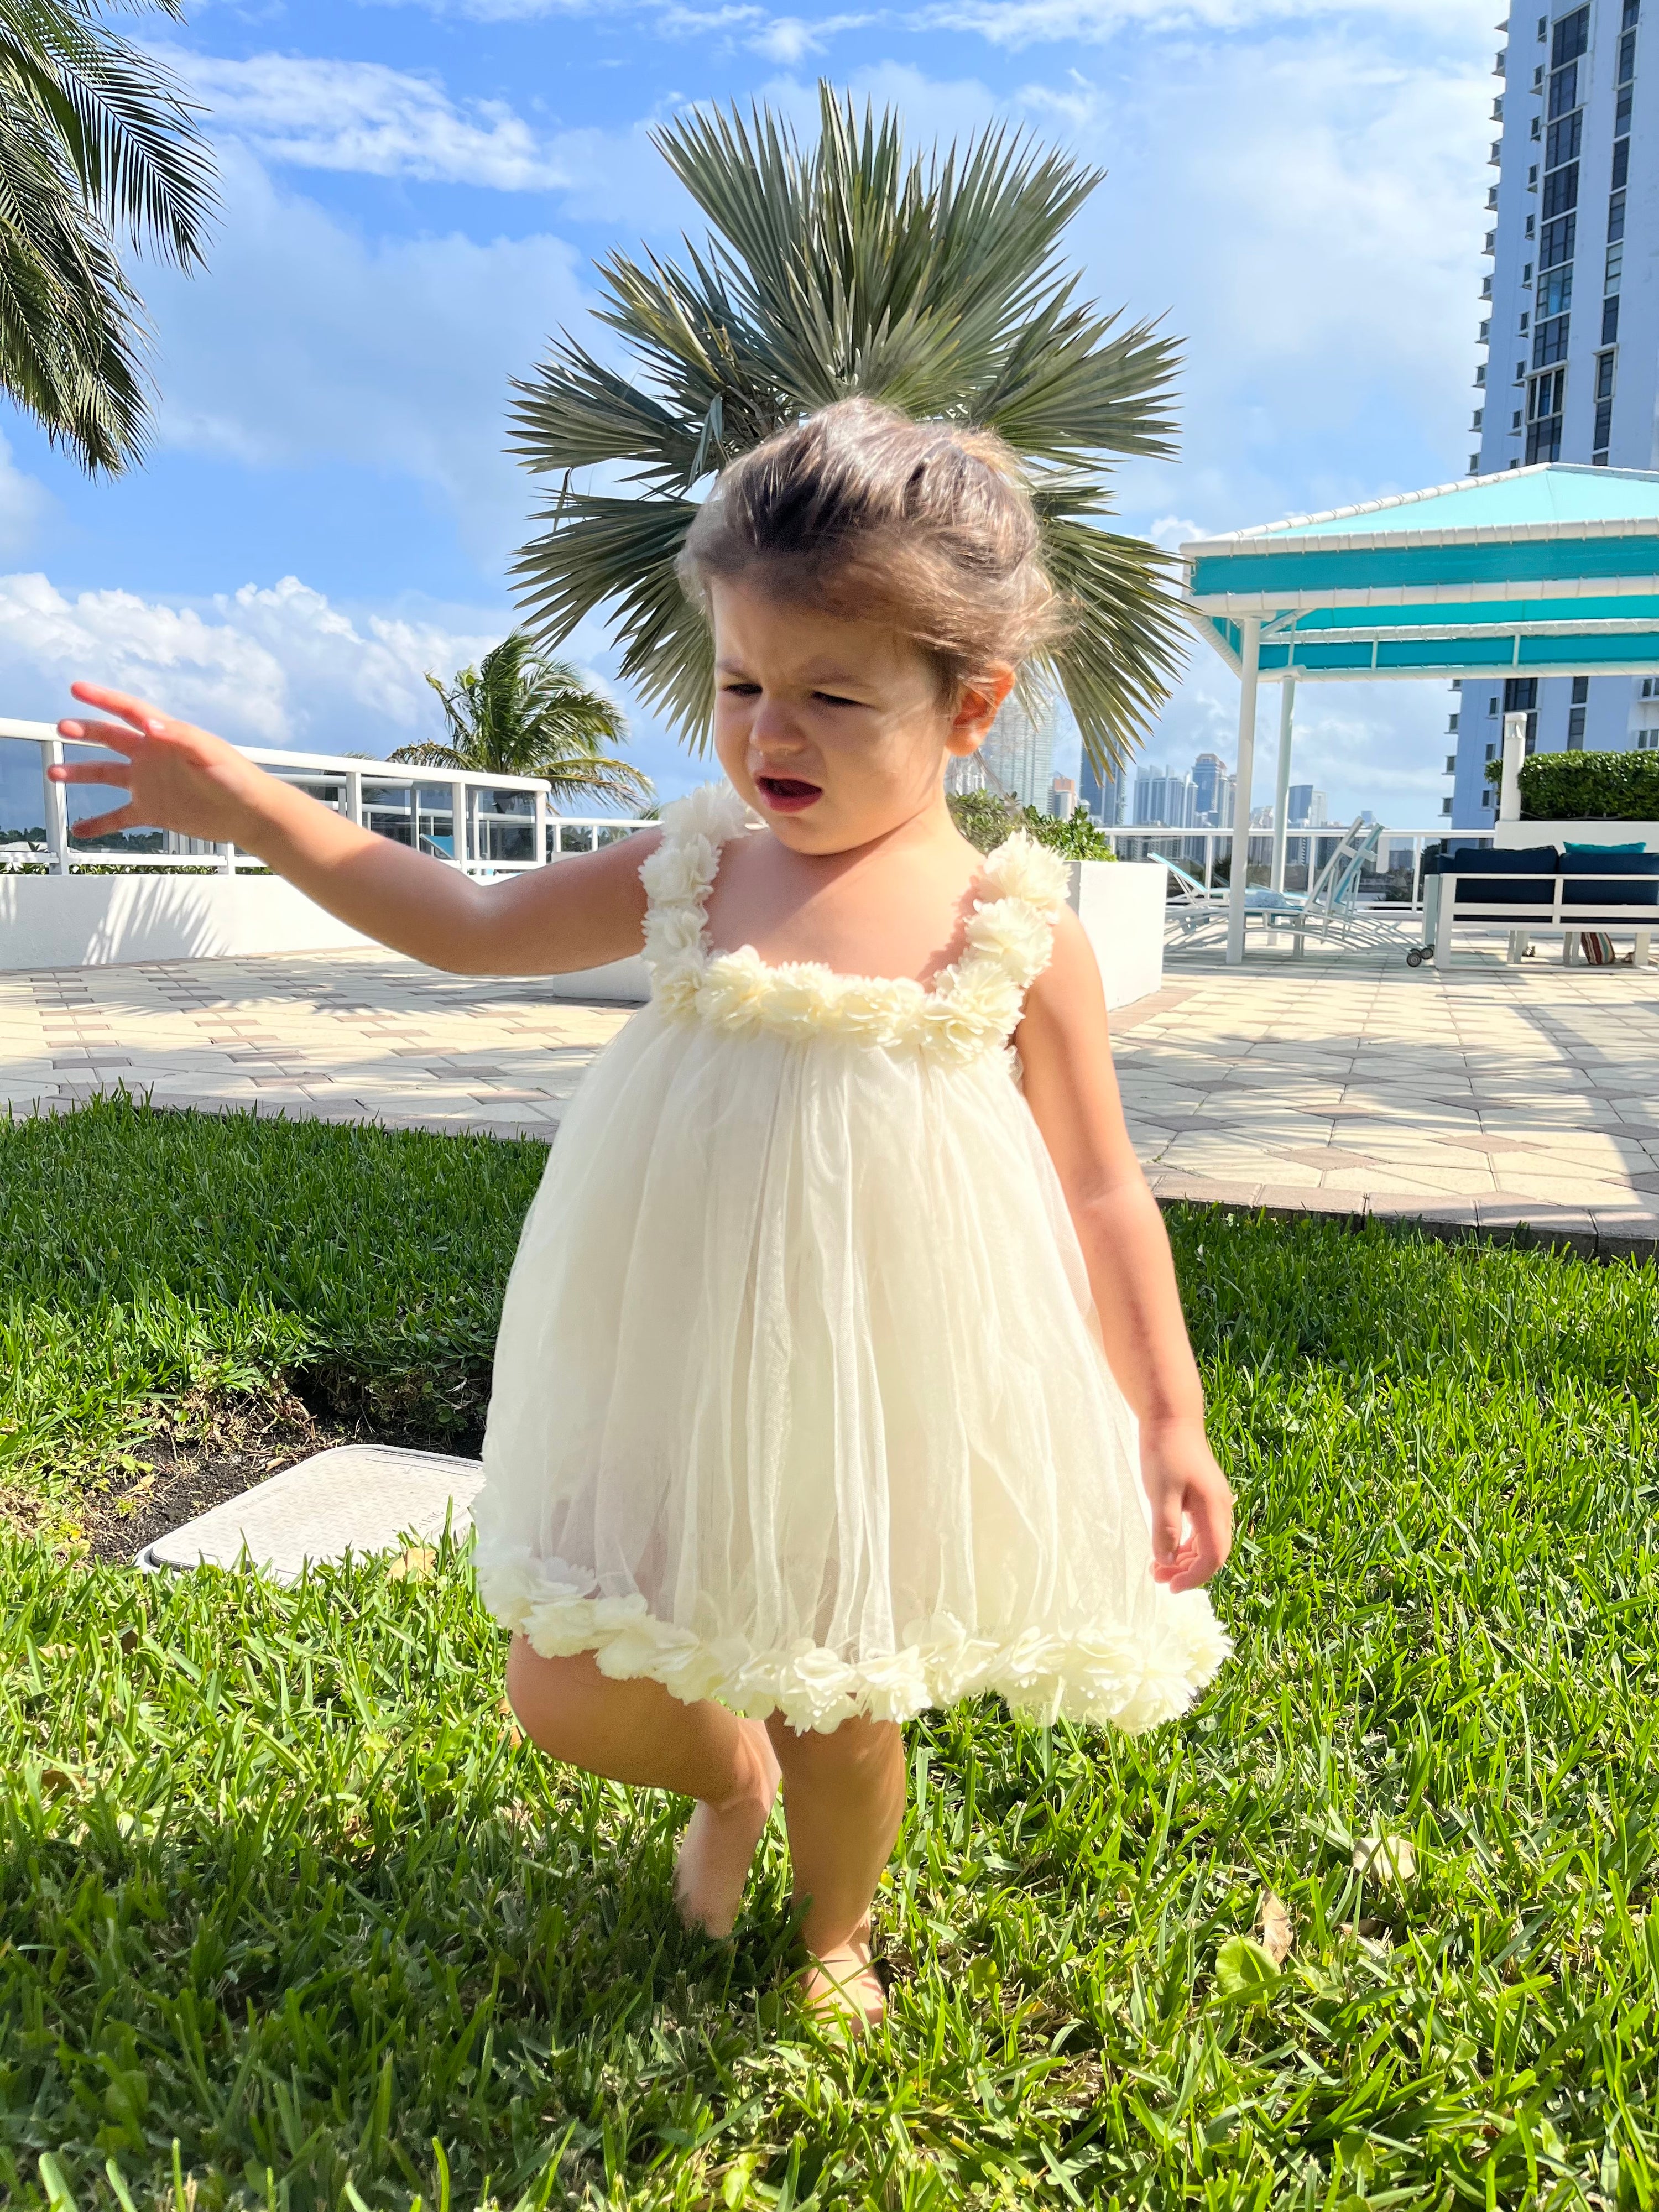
(1491, 243)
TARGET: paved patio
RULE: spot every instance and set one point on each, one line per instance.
(1479, 1097)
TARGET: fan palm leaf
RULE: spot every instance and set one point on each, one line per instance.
(933, 283)
(519, 713)
(97, 144)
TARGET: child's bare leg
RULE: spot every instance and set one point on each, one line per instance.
(843, 1797)
(635, 1732)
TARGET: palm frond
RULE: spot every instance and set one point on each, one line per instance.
(934, 283)
(95, 138)
(518, 713)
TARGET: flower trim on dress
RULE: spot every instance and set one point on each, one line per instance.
(1105, 1675)
(973, 1007)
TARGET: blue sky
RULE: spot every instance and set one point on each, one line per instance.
(415, 190)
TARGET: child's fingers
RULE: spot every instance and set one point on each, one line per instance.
(1168, 1519)
(100, 825)
(116, 735)
(1207, 1545)
(113, 772)
(138, 712)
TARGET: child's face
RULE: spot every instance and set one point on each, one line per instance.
(836, 730)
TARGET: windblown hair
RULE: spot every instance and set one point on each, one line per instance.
(861, 511)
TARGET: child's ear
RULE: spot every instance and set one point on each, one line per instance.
(977, 704)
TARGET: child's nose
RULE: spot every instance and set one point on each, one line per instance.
(773, 730)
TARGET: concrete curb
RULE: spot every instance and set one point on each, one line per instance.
(1605, 1233)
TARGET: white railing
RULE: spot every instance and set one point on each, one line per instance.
(1393, 879)
(488, 825)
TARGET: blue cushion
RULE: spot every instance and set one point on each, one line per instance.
(1529, 861)
(1488, 879)
(1571, 848)
(1610, 863)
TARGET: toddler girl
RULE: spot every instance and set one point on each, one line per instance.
(842, 1371)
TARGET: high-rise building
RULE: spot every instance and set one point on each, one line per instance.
(1019, 752)
(1214, 793)
(1106, 797)
(1163, 796)
(1570, 323)
(1304, 807)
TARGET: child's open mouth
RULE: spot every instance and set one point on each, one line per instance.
(787, 794)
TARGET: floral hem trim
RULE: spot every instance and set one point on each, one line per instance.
(1094, 1673)
(973, 1007)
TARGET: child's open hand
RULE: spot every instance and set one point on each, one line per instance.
(178, 777)
(1192, 1506)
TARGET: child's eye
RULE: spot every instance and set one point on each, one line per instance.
(741, 690)
(834, 699)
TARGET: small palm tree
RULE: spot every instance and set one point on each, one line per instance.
(520, 713)
(931, 284)
(97, 144)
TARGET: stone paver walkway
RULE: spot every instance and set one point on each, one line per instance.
(338, 1037)
(1481, 1096)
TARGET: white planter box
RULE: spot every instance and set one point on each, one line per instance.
(1515, 836)
(1121, 905)
(92, 921)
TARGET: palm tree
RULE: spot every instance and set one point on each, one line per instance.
(520, 713)
(97, 145)
(933, 284)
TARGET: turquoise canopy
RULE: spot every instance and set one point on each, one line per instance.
(1547, 571)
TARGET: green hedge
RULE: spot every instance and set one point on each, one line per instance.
(1587, 787)
(986, 818)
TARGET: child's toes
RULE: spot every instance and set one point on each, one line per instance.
(845, 1984)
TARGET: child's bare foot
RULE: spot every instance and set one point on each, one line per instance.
(719, 1842)
(844, 1984)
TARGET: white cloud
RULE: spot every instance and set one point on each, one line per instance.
(306, 343)
(1003, 22)
(1029, 22)
(791, 38)
(313, 112)
(24, 505)
(281, 666)
(277, 666)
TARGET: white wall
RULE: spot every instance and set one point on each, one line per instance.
(96, 921)
(80, 921)
(92, 922)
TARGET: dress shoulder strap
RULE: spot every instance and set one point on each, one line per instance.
(1012, 929)
(679, 873)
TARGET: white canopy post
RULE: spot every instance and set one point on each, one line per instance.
(1515, 751)
(1249, 671)
(1282, 780)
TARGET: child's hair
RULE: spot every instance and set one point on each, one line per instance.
(860, 510)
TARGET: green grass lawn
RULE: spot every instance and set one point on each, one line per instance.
(287, 1920)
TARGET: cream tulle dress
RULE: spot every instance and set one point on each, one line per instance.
(800, 1402)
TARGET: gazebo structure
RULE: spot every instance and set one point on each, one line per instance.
(1547, 571)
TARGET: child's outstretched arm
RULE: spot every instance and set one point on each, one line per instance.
(588, 910)
(1073, 1092)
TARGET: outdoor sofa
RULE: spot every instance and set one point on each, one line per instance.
(1538, 888)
